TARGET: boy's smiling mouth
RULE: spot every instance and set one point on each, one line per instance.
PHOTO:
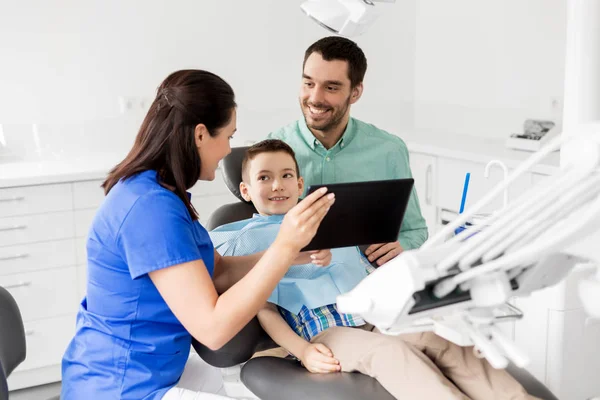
(278, 198)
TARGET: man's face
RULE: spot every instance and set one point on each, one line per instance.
(326, 93)
(272, 183)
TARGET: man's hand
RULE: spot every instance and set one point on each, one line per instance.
(321, 258)
(383, 252)
(318, 359)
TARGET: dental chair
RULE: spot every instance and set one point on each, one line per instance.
(272, 378)
(13, 346)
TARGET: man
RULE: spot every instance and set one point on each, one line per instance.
(332, 147)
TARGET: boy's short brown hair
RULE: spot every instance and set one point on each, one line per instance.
(267, 146)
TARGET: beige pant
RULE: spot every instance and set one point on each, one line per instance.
(417, 366)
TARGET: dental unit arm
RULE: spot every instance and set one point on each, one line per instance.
(343, 17)
(459, 288)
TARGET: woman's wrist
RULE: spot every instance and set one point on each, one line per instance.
(289, 249)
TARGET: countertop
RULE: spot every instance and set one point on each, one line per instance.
(26, 173)
(476, 149)
(96, 165)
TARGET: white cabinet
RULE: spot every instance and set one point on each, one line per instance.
(424, 170)
(439, 181)
(87, 196)
(451, 178)
(35, 199)
(37, 266)
(43, 294)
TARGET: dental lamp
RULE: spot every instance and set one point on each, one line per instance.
(459, 287)
(343, 17)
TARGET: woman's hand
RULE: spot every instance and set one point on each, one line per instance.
(320, 258)
(318, 359)
(300, 224)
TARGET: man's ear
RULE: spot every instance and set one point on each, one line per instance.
(357, 91)
(300, 186)
(244, 191)
(200, 133)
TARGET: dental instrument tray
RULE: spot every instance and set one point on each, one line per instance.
(364, 213)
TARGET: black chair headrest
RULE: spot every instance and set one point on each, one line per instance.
(232, 170)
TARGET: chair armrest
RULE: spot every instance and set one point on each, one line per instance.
(249, 340)
(272, 378)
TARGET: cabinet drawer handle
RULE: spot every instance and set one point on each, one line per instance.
(428, 182)
(12, 228)
(14, 257)
(18, 285)
(10, 199)
(29, 332)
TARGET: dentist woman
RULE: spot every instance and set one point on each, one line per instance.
(154, 278)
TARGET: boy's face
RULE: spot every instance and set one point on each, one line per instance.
(272, 183)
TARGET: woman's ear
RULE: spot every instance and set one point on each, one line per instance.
(244, 191)
(356, 93)
(200, 133)
(300, 186)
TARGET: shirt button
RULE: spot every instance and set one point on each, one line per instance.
(328, 159)
(342, 145)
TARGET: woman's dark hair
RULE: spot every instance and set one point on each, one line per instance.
(165, 141)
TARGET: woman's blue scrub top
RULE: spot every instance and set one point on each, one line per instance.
(128, 344)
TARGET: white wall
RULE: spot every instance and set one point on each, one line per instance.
(484, 66)
(68, 61)
(471, 66)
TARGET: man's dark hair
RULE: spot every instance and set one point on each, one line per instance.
(267, 146)
(340, 48)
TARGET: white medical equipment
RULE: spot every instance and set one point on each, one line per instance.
(460, 288)
(344, 17)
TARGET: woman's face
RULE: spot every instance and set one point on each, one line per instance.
(212, 149)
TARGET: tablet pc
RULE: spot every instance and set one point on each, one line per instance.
(363, 213)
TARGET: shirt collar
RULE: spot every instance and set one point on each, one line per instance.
(314, 143)
(276, 218)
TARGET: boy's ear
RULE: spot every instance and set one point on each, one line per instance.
(244, 191)
(300, 186)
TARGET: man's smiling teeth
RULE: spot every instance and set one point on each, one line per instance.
(317, 110)
(278, 198)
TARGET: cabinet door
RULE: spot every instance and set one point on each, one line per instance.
(423, 168)
(451, 178)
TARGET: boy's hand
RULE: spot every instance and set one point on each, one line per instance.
(318, 359)
(383, 252)
(321, 258)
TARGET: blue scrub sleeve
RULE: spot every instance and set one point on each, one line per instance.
(158, 232)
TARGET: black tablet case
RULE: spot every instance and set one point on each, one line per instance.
(363, 213)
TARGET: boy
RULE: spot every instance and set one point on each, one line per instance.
(301, 315)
